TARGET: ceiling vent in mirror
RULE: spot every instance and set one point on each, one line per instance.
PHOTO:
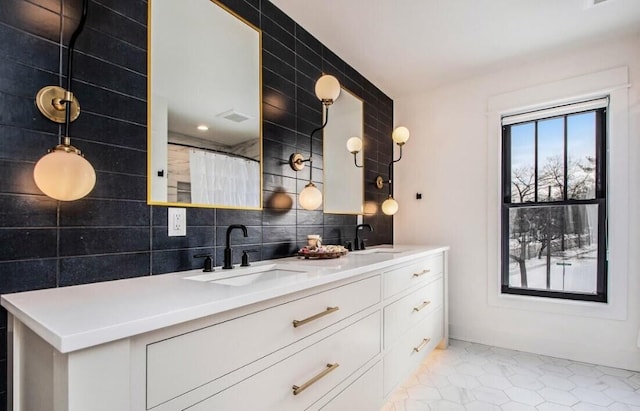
(234, 116)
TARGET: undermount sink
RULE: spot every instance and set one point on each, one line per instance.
(379, 251)
(263, 274)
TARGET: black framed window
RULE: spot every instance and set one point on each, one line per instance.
(554, 206)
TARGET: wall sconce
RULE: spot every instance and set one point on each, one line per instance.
(63, 173)
(390, 206)
(327, 90)
(354, 145)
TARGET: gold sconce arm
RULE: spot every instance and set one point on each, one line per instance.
(63, 173)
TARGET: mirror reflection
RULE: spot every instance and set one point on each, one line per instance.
(343, 181)
(205, 145)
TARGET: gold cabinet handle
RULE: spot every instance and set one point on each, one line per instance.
(421, 306)
(421, 273)
(329, 310)
(422, 345)
(298, 389)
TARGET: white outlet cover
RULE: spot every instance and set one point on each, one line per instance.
(177, 222)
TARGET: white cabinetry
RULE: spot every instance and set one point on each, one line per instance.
(414, 316)
(176, 364)
(302, 379)
(290, 353)
(334, 345)
(95, 379)
(365, 392)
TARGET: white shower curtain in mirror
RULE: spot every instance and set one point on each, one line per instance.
(224, 180)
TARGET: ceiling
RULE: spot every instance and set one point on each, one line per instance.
(408, 46)
(205, 71)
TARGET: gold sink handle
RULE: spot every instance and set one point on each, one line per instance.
(422, 345)
(329, 310)
(421, 306)
(421, 273)
(298, 389)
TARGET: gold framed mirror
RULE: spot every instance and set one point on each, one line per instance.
(343, 181)
(204, 106)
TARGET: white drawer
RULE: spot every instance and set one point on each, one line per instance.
(410, 309)
(184, 362)
(411, 349)
(407, 276)
(365, 394)
(273, 388)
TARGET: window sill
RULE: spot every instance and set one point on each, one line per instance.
(579, 308)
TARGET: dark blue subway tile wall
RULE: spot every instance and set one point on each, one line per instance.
(112, 233)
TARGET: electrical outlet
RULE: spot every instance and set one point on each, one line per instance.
(177, 222)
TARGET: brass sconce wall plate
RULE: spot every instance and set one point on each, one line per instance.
(379, 182)
(50, 100)
(296, 161)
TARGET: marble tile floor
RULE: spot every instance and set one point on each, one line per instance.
(477, 377)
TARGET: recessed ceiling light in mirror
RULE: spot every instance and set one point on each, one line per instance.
(202, 127)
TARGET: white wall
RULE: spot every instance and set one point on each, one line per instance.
(446, 160)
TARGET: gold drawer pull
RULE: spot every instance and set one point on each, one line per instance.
(421, 273)
(298, 389)
(421, 306)
(329, 310)
(422, 345)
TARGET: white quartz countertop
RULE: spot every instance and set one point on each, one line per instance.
(77, 317)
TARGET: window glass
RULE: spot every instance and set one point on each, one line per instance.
(581, 147)
(551, 159)
(554, 248)
(522, 162)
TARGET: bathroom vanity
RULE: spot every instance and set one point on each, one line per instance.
(288, 334)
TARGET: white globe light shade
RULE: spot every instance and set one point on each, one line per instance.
(327, 88)
(389, 206)
(63, 175)
(310, 198)
(354, 145)
(400, 135)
